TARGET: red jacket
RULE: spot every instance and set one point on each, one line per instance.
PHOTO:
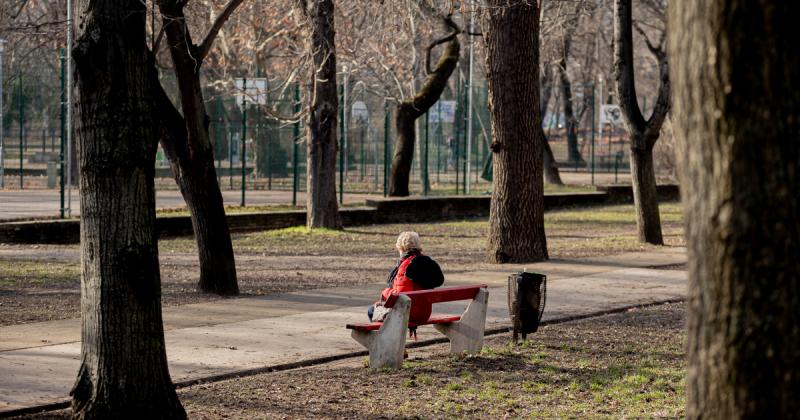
(420, 308)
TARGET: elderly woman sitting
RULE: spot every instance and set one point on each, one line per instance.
(414, 271)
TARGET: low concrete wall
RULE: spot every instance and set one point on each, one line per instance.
(624, 193)
(426, 209)
(386, 210)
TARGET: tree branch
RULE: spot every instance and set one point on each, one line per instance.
(223, 17)
(456, 30)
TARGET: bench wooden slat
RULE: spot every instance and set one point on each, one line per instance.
(436, 319)
(444, 294)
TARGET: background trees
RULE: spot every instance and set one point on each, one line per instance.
(643, 132)
(516, 220)
(123, 361)
(323, 111)
(737, 101)
(186, 142)
(409, 110)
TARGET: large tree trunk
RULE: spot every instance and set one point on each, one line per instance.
(737, 103)
(409, 110)
(192, 159)
(642, 133)
(123, 369)
(323, 211)
(516, 218)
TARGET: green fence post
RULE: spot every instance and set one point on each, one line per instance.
(457, 135)
(439, 143)
(63, 128)
(341, 146)
(386, 118)
(21, 130)
(230, 129)
(465, 176)
(594, 120)
(426, 174)
(243, 151)
(295, 152)
(218, 137)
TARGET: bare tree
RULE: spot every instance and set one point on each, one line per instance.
(551, 174)
(516, 219)
(412, 108)
(643, 132)
(123, 359)
(186, 142)
(737, 98)
(323, 108)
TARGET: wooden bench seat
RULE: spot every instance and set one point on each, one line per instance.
(434, 319)
(386, 340)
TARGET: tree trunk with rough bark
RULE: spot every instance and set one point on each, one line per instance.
(123, 368)
(323, 210)
(516, 218)
(643, 133)
(409, 110)
(737, 101)
(191, 157)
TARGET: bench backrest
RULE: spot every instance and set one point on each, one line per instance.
(443, 294)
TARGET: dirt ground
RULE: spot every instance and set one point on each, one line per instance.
(627, 365)
(42, 282)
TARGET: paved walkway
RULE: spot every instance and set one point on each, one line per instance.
(38, 362)
(16, 204)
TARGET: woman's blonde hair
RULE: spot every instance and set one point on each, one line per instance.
(408, 241)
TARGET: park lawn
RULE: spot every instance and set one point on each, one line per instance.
(617, 366)
(42, 282)
(571, 233)
(625, 365)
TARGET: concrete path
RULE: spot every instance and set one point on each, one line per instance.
(38, 362)
(16, 204)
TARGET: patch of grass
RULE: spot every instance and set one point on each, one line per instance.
(17, 273)
(453, 386)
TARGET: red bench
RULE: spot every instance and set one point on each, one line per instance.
(386, 340)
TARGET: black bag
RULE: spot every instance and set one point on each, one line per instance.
(425, 272)
(527, 294)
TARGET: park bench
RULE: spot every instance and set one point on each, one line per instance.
(386, 340)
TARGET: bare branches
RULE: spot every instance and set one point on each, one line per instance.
(223, 17)
(456, 30)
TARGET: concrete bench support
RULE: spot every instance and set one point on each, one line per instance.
(387, 344)
(466, 335)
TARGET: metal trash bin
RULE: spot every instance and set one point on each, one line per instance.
(527, 293)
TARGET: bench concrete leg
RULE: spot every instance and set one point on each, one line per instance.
(387, 344)
(466, 335)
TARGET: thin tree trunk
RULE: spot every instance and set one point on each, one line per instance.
(323, 210)
(192, 159)
(551, 174)
(516, 218)
(737, 101)
(571, 123)
(643, 133)
(645, 196)
(409, 110)
(123, 370)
